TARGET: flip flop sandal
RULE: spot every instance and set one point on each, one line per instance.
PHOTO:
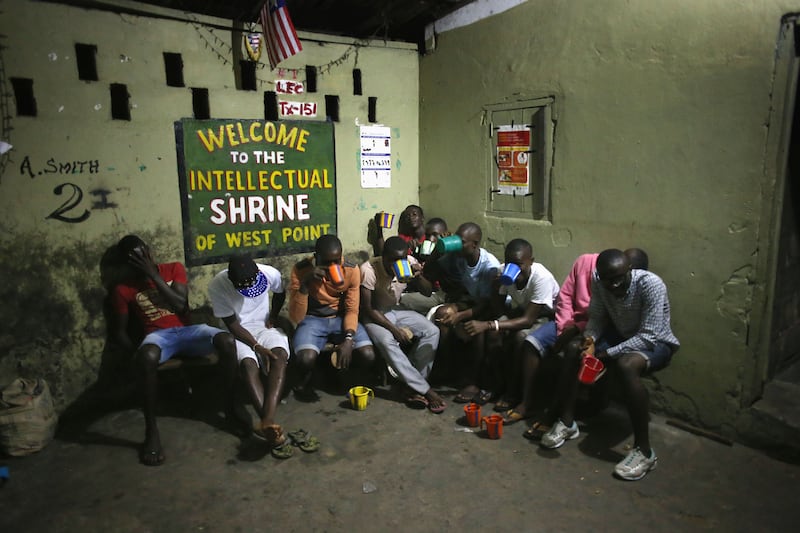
(503, 405)
(282, 451)
(417, 401)
(536, 431)
(303, 440)
(483, 397)
(461, 397)
(437, 410)
(512, 417)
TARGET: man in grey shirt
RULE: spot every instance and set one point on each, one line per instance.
(629, 331)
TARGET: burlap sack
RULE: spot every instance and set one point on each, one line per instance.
(27, 417)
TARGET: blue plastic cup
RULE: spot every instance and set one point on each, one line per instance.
(510, 274)
(402, 269)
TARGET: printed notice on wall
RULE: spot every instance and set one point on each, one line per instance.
(253, 186)
(376, 157)
(513, 154)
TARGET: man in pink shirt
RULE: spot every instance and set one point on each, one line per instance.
(572, 313)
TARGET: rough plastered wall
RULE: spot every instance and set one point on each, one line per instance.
(661, 121)
(76, 180)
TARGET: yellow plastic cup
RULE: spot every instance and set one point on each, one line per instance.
(359, 397)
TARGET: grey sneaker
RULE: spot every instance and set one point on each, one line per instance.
(635, 466)
(559, 434)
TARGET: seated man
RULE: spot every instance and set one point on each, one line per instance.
(629, 329)
(240, 297)
(467, 277)
(571, 314)
(417, 301)
(158, 296)
(389, 325)
(325, 309)
(410, 228)
(532, 295)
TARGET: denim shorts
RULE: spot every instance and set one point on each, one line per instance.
(657, 358)
(190, 341)
(314, 331)
(543, 338)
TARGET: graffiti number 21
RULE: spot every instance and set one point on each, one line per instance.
(69, 204)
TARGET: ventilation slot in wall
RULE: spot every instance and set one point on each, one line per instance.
(86, 57)
(372, 113)
(200, 107)
(120, 102)
(311, 79)
(332, 107)
(173, 66)
(23, 97)
(270, 105)
(357, 81)
(247, 71)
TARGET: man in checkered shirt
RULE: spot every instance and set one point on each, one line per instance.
(629, 331)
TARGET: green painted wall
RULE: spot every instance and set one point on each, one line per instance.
(662, 140)
(54, 326)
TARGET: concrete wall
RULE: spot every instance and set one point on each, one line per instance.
(53, 323)
(663, 137)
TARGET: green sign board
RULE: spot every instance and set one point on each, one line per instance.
(253, 186)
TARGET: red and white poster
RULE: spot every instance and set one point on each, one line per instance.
(513, 154)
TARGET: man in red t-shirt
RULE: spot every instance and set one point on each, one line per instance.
(158, 297)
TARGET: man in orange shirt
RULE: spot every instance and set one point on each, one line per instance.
(324, 298)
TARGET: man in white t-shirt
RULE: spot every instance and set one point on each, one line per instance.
(393, 328)
(240, 296)
(523, 298)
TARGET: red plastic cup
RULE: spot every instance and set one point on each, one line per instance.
(591, 369)
(494, 426)
(473, 413)
(336, 274)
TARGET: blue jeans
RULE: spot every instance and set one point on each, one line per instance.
(314, 331)
(190, 341)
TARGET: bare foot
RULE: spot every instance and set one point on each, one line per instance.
(151, 453)
(436, 403)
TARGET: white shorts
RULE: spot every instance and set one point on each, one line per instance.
(269, 338)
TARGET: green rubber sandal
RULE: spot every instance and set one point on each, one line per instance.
(282, 451)
(305, 441)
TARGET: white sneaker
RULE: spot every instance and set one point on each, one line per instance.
(635, 466)
(559, 434)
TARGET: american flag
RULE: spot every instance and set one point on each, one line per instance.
(280, 36)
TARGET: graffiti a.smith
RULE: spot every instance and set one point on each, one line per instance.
(53, 166)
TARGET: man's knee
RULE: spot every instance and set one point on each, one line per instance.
(248, 367)
(631, 366)
(148, 356)
(366, 354)
(225, 343)
(306, 358)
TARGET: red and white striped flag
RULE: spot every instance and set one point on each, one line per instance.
(280, 36)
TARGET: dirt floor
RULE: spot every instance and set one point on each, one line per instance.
(387, 468)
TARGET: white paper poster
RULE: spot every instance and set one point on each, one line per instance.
(376, 157)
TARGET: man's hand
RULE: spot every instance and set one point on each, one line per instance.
(603, 356)
(140, 259)
(587, 346)
(402, 335)
(345, 349)
(447, 315)
(566, 336)
(266, 356)
(476, 327)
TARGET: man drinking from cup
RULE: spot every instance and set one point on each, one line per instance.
(394, 328)
(629, 332)
(324, 303)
